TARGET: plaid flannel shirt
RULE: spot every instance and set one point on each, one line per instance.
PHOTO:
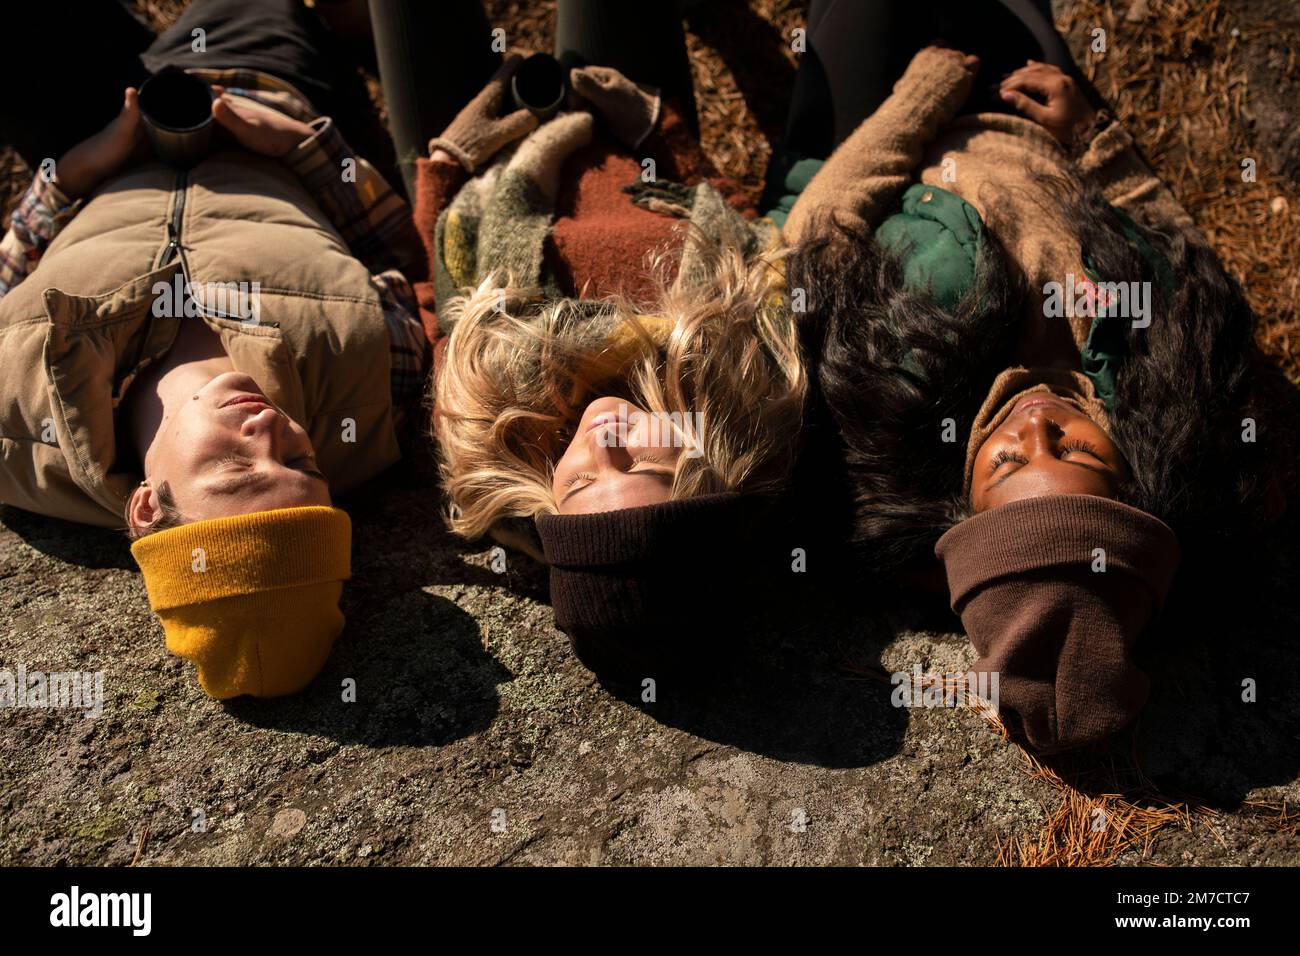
(370, 217)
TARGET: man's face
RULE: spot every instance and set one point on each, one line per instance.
(230, 451)
(1045, 447)
(604, 469)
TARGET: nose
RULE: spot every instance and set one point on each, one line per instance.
(1039, 431)
(609, 445)
(268, 424)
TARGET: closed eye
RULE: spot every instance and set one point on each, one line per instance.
(1078, 445)
(307, 465)
(1004, 456)
(589, 478)
(584, 476)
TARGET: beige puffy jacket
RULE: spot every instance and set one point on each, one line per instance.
(74, 333)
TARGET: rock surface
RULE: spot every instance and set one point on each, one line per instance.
(476, 738)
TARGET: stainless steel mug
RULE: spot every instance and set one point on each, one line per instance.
(177, 111)
(539, 86)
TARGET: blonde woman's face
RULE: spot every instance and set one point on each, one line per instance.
(620, 457)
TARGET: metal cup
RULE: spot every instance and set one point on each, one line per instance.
(539, 86)
(177, 111)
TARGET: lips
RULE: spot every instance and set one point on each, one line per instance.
(247, 398)
(1039, 399)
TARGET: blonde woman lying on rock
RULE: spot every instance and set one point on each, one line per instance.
(618, 388)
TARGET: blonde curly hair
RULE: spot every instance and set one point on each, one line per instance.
(518, 373)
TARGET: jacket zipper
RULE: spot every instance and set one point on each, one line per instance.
(174, 250)
(174, 227)
(170, 251)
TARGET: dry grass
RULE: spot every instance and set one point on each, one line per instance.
(1105, 810)
(1277, 815)
(1178, 81)
(743, 66)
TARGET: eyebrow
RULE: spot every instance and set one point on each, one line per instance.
(250, 479)
(238, 483)
(1077, 464)
(649, 472)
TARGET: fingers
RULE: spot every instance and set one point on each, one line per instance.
(128, 121)
(234, 120)
(226, 115)
(1027, 107)
(131, 116)
(594, 83)
(135, 123)
(1046, 86)
(219, 97)
(580, 81)
(1039, 69)
(122, 130)
(969, 61)
(593, 78)
(1044, 73)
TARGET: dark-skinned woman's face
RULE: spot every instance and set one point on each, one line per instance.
(1045, 447)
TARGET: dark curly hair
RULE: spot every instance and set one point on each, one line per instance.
(1187, 388)
(902, 378)
(893, 366)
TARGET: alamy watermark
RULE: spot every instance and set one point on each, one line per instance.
(663, 430)
(80, 690)
(74, 908)
(1080, 296)
(917, 689)
(228, 300)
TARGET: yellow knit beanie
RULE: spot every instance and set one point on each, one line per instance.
(251, 599)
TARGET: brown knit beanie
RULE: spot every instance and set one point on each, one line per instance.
(1055, 628)
(648, 591)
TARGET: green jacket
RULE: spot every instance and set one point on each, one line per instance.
(939, 237)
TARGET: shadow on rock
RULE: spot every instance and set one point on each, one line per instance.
(78, 544)
(421, 676)
(785, 694)
(401, 541)
(1222, 718)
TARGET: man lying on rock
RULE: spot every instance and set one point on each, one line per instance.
(206, 355)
